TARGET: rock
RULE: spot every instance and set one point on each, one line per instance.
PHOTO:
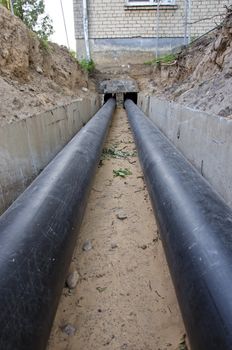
(220, 60)
(5, 53)
(114, 245)
(121, 216)
(220, 44)
(18, 104)
(72, 279)
(213, 56)
(39, 70)
(87, 246)
(69, 329)
(217, 43)
(85, 89)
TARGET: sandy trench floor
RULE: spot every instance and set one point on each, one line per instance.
(124, 299)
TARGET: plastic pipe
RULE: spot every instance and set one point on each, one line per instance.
(196, 231)
(38, 234)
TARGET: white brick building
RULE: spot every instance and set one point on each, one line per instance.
(126, 25)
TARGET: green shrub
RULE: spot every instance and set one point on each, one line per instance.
(5, 3)
(87, 66)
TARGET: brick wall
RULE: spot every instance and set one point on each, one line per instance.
(112, 19)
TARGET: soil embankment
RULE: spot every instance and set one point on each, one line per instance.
(34, 76)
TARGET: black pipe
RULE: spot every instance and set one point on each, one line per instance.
(196, 232)
(38, 234)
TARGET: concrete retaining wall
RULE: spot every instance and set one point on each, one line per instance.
(27, 146)
(127, 50)
(204, 139)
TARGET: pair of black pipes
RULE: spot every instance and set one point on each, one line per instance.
(38, 234)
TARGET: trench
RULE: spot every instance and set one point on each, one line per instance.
(124, 298)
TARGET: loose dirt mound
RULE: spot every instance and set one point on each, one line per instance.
(33, 77)
(202, 75)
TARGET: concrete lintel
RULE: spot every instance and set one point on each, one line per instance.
(115, 86)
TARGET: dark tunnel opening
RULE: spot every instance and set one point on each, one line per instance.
(108, 96)
(132, 96)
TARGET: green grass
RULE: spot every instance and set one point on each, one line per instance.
(87, 66)
(169, 58)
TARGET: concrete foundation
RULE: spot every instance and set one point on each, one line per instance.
(204, 139)
(27, 146)
(127, 50)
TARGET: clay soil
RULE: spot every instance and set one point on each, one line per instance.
(124, 298)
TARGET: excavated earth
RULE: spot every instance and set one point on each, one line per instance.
(200, 77)
(34, 77)
(124, 298)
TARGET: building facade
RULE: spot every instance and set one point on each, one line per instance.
(126, 26)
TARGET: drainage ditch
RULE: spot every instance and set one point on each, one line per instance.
(124, 297)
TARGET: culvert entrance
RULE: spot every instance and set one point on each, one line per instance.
(107, 97)
(131, 96)
(122, 89)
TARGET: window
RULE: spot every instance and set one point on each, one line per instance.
(150, 2)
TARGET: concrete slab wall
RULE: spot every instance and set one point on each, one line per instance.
(204, 139)
(127, 50)
(27, 146)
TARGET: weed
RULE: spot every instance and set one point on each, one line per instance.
(112, 152)
(182, 344)
(44, 44)
(87, 66)
(169, 58)
(122, 172)
(73, 54)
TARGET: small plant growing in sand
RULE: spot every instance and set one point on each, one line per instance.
(122, 172)
(112, 152)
